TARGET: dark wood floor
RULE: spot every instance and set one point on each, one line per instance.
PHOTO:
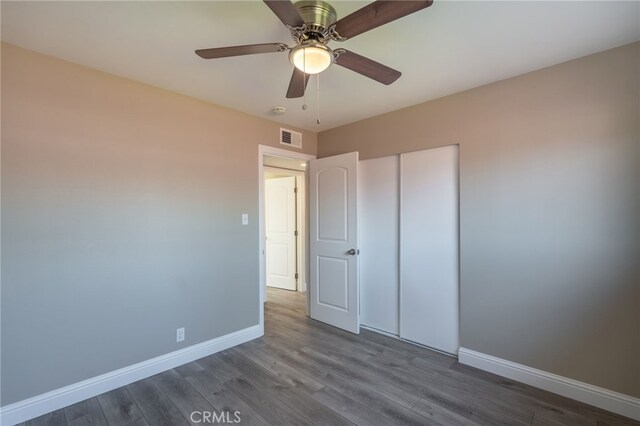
(305, 372)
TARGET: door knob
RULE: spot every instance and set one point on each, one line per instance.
(353, 252)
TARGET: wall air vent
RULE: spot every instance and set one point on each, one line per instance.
(291, 138)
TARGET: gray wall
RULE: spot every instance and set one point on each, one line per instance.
(549, 211)
(121, 208)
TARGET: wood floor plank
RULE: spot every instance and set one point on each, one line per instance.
(190, 368)
(443, 377)
(396, 345)
(55, 418)
(271, 408)
(250, 369)
(308, 407)
(488, 389)
(222, 370)
(284, 372)
(119, 408)
(454, 395)
(290, 319)
(542, 400)
(614, 420)
(388, 410)
(156, 407)
(307, 334)
(564, 418)
(349, 408)
(269, 382)
(223, 399)
(87, 412)
(441, 415)
(355, 374)
(184, 396)
(288, 302)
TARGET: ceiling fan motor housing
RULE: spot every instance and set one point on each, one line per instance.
(317, 15)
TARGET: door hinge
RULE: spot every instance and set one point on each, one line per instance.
(295, 190)
(295, 233)
(296, 276)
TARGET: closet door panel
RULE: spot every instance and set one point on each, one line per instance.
(378, 195)
(429, 289)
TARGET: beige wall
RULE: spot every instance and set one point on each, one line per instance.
(121, 221)
(549, 211)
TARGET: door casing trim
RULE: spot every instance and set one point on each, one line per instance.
(274, 152)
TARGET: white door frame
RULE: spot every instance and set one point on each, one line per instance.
(301, 214)
(272, 152)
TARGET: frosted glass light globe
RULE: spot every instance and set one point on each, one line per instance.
(311, 58)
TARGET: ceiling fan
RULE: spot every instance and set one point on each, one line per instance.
(313, 24)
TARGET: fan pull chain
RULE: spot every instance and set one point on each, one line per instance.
(318, 98)
(304, 80)
(304, 97)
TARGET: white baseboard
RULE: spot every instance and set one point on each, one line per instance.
(38, 405)
(599, 397)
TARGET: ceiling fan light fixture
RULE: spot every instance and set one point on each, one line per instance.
(311, 57)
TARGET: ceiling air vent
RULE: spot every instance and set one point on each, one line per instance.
(291, 138)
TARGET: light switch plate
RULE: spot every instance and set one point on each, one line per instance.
(245, 219)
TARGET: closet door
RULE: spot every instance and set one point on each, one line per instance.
(429, 289)
(378, 198)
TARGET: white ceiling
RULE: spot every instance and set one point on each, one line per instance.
(446, 48)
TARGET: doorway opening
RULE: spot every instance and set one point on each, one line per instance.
(283, 221)
(284, 200)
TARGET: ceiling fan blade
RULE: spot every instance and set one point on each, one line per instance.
(376, 14)
(249, 49)
(297, 84)
(286, 12)
(367, 67)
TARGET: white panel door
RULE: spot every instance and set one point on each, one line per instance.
(429, 289)
(334, 295)
(378, 221)
(280, 227)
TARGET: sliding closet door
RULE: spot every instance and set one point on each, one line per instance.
(429, 248)
(378, 198)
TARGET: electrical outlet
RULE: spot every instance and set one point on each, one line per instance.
(245, 219)
(180, 335)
